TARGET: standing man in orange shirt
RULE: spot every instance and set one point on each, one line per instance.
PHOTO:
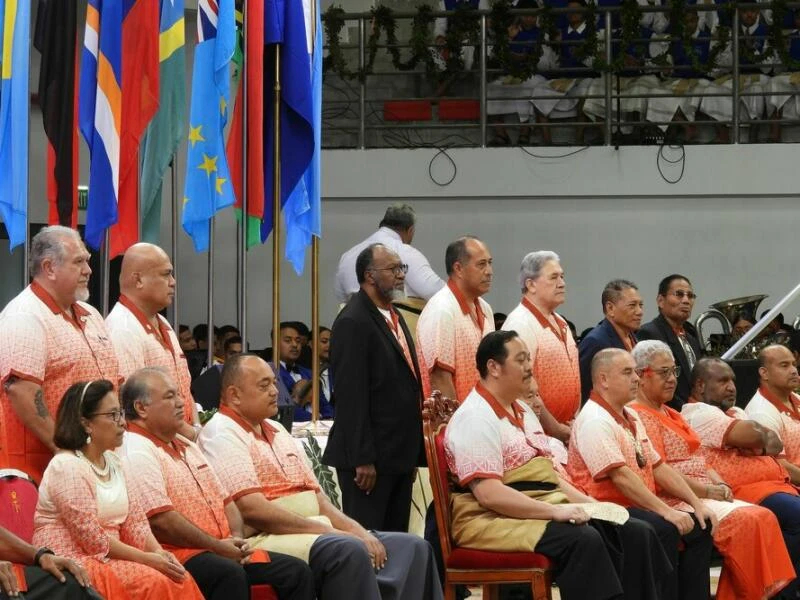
(51, 339)
(554, 355)
(141, 336)
(455, 320)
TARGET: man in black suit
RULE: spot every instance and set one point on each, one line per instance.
(376, 440)
(675, 302)
(623, 309)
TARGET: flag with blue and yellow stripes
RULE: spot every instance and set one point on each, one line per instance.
(100, 112)
(208, 186)
(14, 117)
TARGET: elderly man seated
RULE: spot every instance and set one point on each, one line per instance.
(261, 467)
(185, 504)
(516, 498)
(611, 456)
(742, 451)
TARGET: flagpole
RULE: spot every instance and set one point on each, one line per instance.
(314, 280)
(242, 262)
(106, 275)
(174, 241)
(210, 336)
(276, 215)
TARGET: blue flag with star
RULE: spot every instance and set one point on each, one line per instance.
(208, 186)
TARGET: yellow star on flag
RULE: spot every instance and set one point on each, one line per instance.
(185, 201)
(220, 181)
(194, 135)
(209, 164)
(222, 105)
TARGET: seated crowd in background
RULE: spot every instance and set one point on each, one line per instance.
(663, 80)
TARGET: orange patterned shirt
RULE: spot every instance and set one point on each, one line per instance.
(599, 444)
(448, 336)
(752, 478)
(177, 477)
(554, 358)
(247, 462)
(138, 345)
(54, 349)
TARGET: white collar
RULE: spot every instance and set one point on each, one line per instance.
(580, 29)
(752, 29)
(391, 233)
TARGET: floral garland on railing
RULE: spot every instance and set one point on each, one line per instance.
(464, 30)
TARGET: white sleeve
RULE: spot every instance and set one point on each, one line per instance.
(421, 280)
(769, 419)
(440, 25)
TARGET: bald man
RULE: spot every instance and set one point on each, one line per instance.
(141, 336)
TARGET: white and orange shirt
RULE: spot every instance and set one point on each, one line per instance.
(773, 414)
(752, 478)
(554, 358)
(139, 345)
(54, 349)
(448, 335)
(484, 441)
(600, 443)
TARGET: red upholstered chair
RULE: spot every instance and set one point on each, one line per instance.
(18, 497)
(262, 592)
(463, 565)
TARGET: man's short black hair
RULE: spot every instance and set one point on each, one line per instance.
(663, 286)
(613, 291)
(493, 347)
(182, 328)
(301, 328)
(779, 317)
(200, 332)
(236, 339)
(457, 253)
(364, 261)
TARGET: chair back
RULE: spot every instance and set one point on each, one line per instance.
(435, 415)
(18, 497)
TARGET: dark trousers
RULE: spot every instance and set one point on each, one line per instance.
(43, 586)
(786, 508)
(221, 578)
(386, 508)
(691, 565)
(584, 568)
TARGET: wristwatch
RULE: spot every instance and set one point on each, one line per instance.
(37, 558)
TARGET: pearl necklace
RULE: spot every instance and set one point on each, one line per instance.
(97, 471)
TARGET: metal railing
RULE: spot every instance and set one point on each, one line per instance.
(367, 127)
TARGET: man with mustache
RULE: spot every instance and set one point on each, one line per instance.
(141, 336)
(455, 320)
(51, 339)
(376, 440)
(675, 302)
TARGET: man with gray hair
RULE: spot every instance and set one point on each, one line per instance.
(184, 502)
(51, 339)
(623, 309)
(396, 232)
(554, 355)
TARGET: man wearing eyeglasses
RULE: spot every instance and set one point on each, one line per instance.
(376, 441)
(675, 301)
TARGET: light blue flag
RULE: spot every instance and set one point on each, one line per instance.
(208, 187)
(303, 211)
(14, 117)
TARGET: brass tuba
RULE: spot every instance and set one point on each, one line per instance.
(725, 312)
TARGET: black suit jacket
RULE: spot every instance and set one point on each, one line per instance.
(601, 337)
(659, 329)
(377, 396)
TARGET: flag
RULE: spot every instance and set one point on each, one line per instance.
(140, 82)
(14, 115)
(302, 211)
(167, 127)
(56, 39)
(208, 187)
(100, 112)
(254, 61)
(285, 25)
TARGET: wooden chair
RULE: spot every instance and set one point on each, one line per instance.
(466, 566)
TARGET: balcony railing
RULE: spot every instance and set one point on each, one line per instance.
(378, 105)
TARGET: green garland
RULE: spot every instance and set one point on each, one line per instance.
(464, 30)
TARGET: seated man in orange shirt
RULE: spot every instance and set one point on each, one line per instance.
(742, 451)
(185, 504)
